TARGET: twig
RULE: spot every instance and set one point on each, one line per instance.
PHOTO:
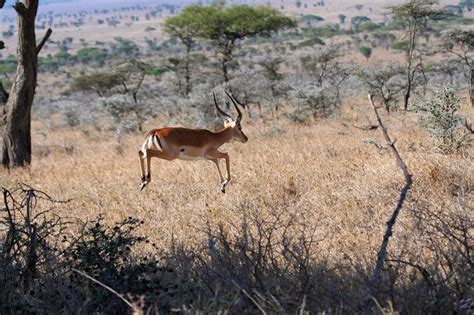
(426, 275)
(250, 297)
(135, 309)
(370, 127)
(303, 305)
(378, 146)
(375, 278)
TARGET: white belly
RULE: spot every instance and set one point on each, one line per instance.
(183, 156)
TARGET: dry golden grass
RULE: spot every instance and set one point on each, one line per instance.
(325, 174)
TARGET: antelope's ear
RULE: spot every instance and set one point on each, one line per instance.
(229, 123)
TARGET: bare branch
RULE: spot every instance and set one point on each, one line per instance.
(135, 309)
(370, 127)
(20, 8)
(250, 298)
(375, 278)
(44, 40)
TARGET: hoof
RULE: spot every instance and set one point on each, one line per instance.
(223, 184)
(142, 185)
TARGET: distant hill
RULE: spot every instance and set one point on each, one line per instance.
(11, 2)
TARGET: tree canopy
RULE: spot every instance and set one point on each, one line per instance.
(413, 14)
(238, 22)
(224, 25)
(185, 25)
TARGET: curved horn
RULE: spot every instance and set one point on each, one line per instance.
(220, 111)
(236, 107)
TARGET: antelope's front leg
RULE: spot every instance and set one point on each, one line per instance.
(214, 156)
(227, 165)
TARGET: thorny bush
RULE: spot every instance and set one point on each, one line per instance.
(267, 262)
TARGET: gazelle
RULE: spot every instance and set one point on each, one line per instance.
(192, 144)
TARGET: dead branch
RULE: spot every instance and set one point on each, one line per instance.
(367, 128)
(381, 256)
(378, 146)
(426, 275)
(250, 297)
(44, 40)
(134, 308)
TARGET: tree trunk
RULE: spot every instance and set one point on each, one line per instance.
(187, 69)
(225, 71)
(471, 93)
(406, 97)
(16, 123)
(226, 50)
(410, 72)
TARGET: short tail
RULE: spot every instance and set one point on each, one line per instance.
(152, 141)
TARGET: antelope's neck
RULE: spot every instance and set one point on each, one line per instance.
(224, 135)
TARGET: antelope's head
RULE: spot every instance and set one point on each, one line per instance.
(230, 122)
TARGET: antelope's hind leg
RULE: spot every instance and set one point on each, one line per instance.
(148, 155)
(145, 180)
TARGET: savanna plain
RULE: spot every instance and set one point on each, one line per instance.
(300, 225)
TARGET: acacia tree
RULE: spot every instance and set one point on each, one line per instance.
(460, 44)
(328, 74)
(15, 123)
(225, 26)
(342, 18)
(185, 26)
(413, 16)
(125, 79)
(271, 71)
(384, 81)
(366, 52)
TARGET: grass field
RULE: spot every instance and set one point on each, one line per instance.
(328, 172)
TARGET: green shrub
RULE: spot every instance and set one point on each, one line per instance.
(152, 70)
(324, 31)
(442, 120)
(368, 26)
(8, 65)
(312, 18)
(365, 51)
(91, 55)
(401, 45)
(311, 42)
